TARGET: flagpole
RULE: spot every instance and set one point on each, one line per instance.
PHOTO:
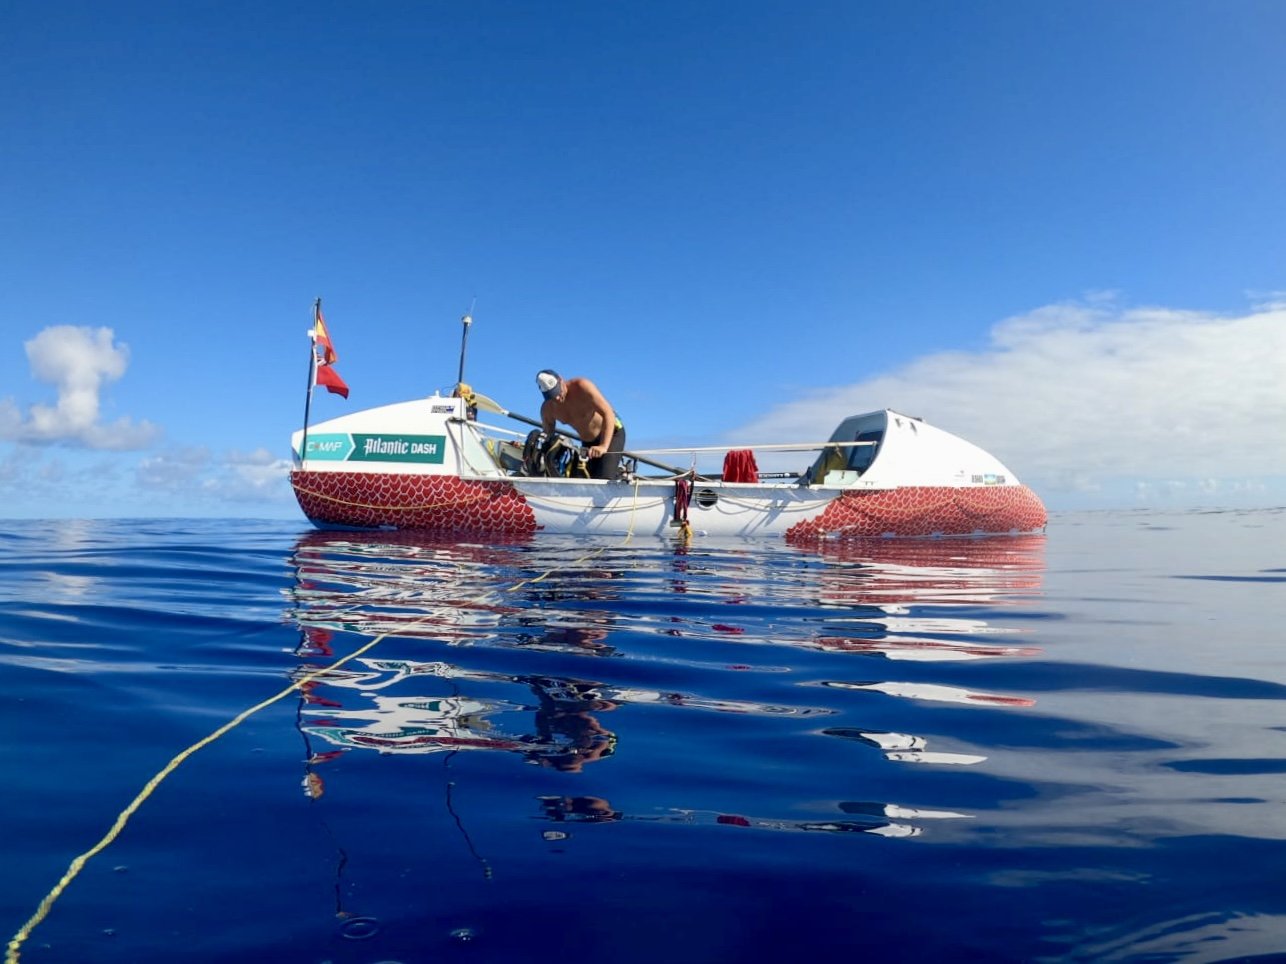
(308, 397)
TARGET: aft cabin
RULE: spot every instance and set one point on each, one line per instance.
(887, 449)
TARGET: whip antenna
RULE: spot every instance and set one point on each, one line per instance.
(466, 321)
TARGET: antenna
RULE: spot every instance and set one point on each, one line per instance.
(466, 321)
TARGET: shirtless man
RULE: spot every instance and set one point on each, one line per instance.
(579, 403)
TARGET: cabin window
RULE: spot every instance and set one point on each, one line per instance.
(855, 458)
(860, 457)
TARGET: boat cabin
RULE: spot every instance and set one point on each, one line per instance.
(887, 448)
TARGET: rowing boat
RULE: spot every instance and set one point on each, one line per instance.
(432, 464)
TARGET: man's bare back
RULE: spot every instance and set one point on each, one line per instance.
(578, 402)
(582, 406)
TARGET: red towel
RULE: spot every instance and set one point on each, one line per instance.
(739, 466)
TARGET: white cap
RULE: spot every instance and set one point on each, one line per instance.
(548, 381)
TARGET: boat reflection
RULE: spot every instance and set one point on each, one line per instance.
(395, 583)
(902, 598)
(561, 729)
(881, 819)
(897, 573)
(475, 640)
(904, 748)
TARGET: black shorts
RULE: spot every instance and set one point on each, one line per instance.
(608, 465)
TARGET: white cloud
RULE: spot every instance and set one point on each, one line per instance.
(39, 482)
(1073, 397)
(175, 470)
(235, 477)
(253, 477)
(79, 362)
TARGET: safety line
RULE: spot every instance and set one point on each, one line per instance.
(14, 947)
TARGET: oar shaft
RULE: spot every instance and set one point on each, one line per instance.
(782, 447)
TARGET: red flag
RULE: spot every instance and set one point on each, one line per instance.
(326, 375)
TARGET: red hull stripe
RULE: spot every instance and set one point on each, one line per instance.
(436, 502)
(925, 511)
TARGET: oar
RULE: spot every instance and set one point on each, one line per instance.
(491, 405)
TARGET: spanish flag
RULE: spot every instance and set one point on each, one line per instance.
(326, 375)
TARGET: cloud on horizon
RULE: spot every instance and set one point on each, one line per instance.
(79, 362)
(194, 473)
(1073, 397)
(189, 481)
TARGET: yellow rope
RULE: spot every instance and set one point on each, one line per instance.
(14, 947)
(11, 955)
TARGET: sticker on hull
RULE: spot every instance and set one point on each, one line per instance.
(343, 447)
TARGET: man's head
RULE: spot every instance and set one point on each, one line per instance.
(550, 383)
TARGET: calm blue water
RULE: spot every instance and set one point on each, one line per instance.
(1062, 747)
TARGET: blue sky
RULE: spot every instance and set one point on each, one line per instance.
(1053, 228)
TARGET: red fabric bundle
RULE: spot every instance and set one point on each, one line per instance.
(739, 466)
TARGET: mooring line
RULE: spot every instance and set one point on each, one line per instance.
(78, 864)
(14, 948)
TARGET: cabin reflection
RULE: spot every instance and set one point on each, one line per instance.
(560, 730)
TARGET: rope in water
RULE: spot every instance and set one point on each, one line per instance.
(14, 947)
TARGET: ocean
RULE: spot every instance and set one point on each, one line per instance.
(249, 740)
